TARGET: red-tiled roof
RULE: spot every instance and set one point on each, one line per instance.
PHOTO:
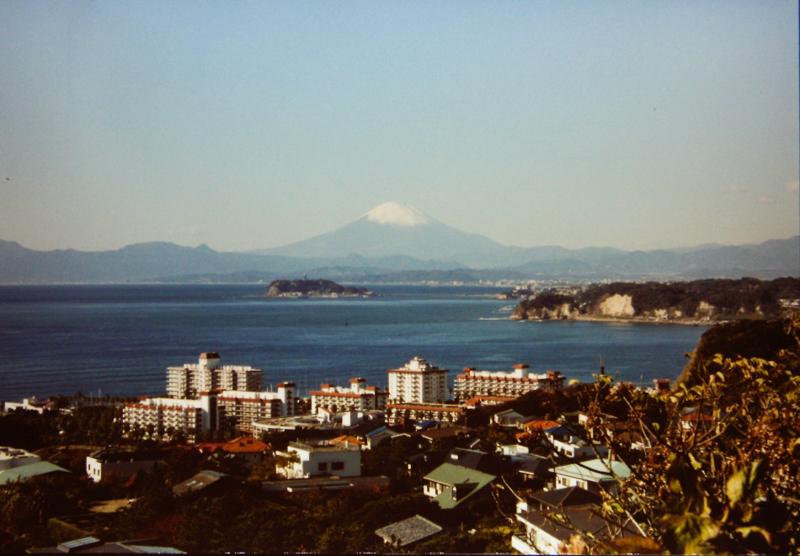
(245, 444)
(540, 425)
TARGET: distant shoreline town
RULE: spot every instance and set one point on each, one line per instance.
(506, 455)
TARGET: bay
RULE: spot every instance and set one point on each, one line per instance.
(118, 339)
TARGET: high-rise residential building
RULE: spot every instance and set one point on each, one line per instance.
(358, 397)
(188, 381)
(417, 382)
(215, 410)
(239, 410)
(514, 384)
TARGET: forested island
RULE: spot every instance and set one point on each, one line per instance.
(314, 288)
(700, 301)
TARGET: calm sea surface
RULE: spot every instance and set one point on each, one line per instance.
(119, 339)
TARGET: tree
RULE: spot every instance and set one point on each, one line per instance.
(725, 474)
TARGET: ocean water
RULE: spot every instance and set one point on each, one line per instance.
(119, 340)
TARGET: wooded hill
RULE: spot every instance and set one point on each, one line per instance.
(700, 300)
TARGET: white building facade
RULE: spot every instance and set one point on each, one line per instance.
(514, 384)
(239, 410)
(358, 397)
(418, 382)
(340, 460)
(228, 409)
(188, 381)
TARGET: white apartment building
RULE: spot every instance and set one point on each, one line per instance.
(324, 458)
(159, 415)
(514, 384)
(418, 382)
(233, 409)
(358, 397)
(188, 381)
(104, 461)
(237, 409)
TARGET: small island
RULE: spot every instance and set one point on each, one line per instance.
(314, 288)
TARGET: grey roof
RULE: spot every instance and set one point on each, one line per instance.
(198, 482)
(408, 531)
(563, 497)
(566, 522)
(93, 545)
(28, 471)
(531, 464)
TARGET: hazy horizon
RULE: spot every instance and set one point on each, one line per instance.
(251, 125)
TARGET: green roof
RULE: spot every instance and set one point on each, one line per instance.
(595, 470)
(27, 471)
(463, 480)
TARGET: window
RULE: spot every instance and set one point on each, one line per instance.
(323, 466)
(337, 466)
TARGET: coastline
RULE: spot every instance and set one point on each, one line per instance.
(628, 320)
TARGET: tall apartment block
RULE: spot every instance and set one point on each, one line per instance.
(512, 385)
(189, 381)
(417, 382)
(208, 396)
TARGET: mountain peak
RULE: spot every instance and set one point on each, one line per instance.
(398, 214)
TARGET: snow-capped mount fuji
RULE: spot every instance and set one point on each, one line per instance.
(398, 214)
(395, 229)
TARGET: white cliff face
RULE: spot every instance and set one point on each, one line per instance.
(617, 306)
(705, 309)
(398, 214)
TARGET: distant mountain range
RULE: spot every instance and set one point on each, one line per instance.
(395, 243)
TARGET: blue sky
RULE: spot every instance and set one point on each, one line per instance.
(248, 125)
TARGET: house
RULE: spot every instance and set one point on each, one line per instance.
(534, 425)
(207, 482)
(16, 457)
(547, 500)
(30, 404)
(247, 449)
(375, 437)
(567, 442)
(535, 470)
(450, 485)
(509, 418)
(549, 532)
(322, 458)
(106, 460)
(440, 438)
(348, 440)
(93, 545)
(28, 471)
(405, 534)
(596, 475)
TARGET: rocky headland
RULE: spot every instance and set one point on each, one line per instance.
(697, 302)
(314, 288)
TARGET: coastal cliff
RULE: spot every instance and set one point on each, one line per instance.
(763, 339)
(700, 301)
(314, 288)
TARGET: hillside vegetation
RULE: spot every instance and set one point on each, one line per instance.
(697, 301)
(312, 288)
